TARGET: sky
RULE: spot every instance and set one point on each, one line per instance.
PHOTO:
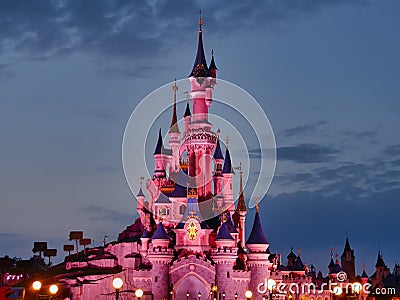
(325, 72)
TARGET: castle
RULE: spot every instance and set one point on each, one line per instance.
(189, 241)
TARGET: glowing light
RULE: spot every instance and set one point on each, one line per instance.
(117, 283)
(53, 289)
(37, 285)
(139, 293)
(248, 294)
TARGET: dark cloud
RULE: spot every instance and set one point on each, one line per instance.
(307, 153)
(299, 130)
(393, 150)
(128, 29)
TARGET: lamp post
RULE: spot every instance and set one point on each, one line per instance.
(270, 286)
(187, 295)
(171, 293)
(248, 294)
(53, 289)
(37, 285)
(223, 295)
(236, 296)
(117, 284)
(199, 295)
(139, 294)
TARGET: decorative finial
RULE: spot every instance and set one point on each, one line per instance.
(239, 167)
(175, 88)
(187, 97)
(256, 204)
(212, 52)
(332, 249)
(200, 21)
(298, 251)
(364, 267)
(187, 188)
(227, 142)
(141, 181)
(218, 132)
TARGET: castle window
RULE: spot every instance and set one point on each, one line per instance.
(227, 275)
(156, 279)
(182, 209)
(163, 211)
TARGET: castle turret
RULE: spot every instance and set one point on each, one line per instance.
(218, 179)
(241, 210)
(257, 261)
(224, 257)
(227, 173)
(212, 67)
(159, 171)
(348, 260)
(160, 257)
(174, 135)
(187, 117)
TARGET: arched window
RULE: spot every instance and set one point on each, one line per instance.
(182, 209)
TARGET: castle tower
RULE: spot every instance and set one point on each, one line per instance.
(200, 140)
(212, 67)
(140, 205)
(174, 135)
(348, 260)
(160, 256)
(381, 270)
(159, 171)
(224, 257)
(257, 261)
(241, 210)
(227, 173)
(218, 179)
(187, 117)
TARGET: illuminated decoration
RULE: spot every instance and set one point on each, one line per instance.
(192, 231)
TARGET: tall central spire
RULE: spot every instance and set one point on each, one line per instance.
(174, 128)
(200, 68)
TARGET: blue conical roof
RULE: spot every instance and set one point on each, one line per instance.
(364, 274)
(227, 168)
(159, 145)
(212, 63)
(145, 234)
(140, 193)
(218, 152)
(223, 233)
(160, 233)
(200, 68)
(257, 235)
(187, 111)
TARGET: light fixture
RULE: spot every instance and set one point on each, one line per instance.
(248, 294)
(356, 286)
(236, 295)
(117, 284)
(199, 295)
(139, 294)
(53, 289)
(37, 285)
(271, 284)
(337, 290)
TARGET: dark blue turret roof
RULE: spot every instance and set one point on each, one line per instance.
(223, 233)
(160, 233)
(257, 235)
(144, 235)
(364, 274)
(200, 68)
(140, 193)
(298, 265)
(379, 261)
(218, 152)
(159, 146)
(187, 111)
(227, 168)
(162, 198)
(212, 63)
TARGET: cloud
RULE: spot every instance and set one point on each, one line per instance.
(303, 129)
(393, 150)
(307, 153)
(128, 29)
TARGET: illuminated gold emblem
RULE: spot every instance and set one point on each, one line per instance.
(192, 231)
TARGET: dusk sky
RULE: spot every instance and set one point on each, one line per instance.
(326, 72)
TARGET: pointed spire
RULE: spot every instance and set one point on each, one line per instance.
(241, 206)
(212, 63)
(227, 168)
(379, 261)
(223, 233)
(218, 152)
(364, 274)
(140, 193)
(200, 68)
(174, 128)
(160, 233)
(187, 111)
(347, 248)
(257, 235)
(159, 146)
